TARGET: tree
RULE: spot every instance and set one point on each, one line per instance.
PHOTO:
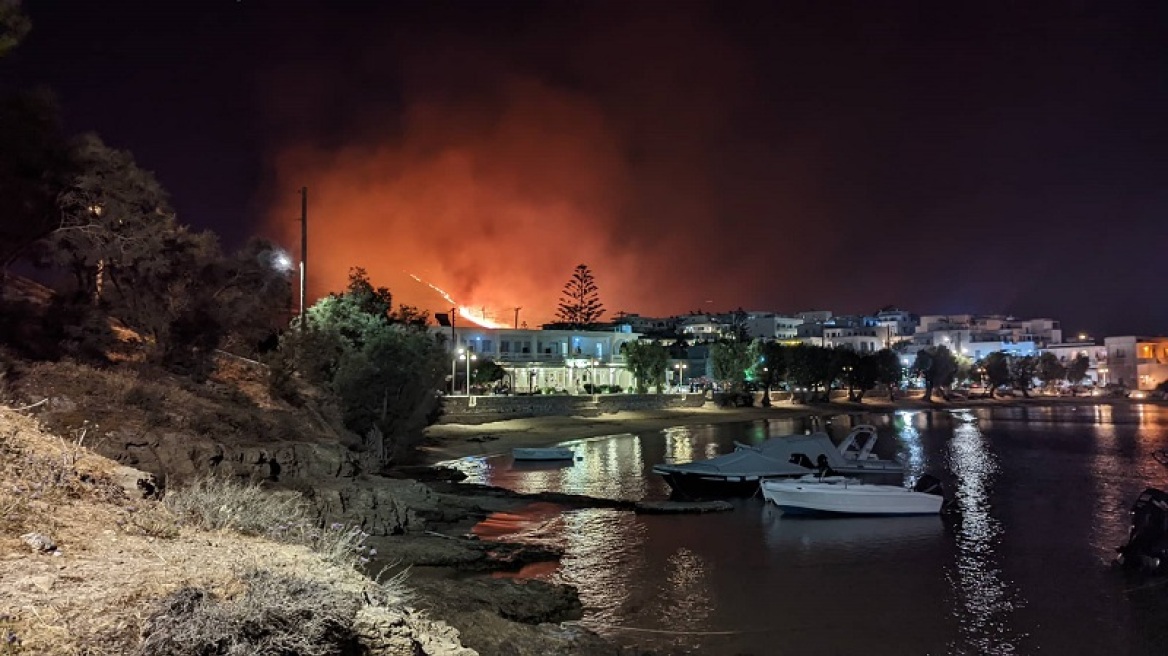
(888, 370)
(114, 216)
(1077, 371)
(647, 361)
(771, 367)
(997, 371)
(580, 306)
(485, 372)
(938, 367)
(844, 362)
(731, 361)
(1049, 369)
(809, 366)
(14, 26)
(1023, 369)
(384, 372)
(388, 387)
(863, 375)
(252, 295)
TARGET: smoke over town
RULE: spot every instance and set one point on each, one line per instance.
(493, 186)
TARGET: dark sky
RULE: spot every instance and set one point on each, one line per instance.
(939, 156)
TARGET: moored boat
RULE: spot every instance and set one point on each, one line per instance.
(739, 472)
(840, 495)
(542, 453)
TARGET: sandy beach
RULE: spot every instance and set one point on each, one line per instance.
(450, 441)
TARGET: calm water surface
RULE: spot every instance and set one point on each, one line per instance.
(1043, 494)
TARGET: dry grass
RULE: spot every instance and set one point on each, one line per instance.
(119, 556)
(215, 504)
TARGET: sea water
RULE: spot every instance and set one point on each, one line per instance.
(1042, 498)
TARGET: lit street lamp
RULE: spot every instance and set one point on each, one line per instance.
(464, 356)
(453, 373)
(680, 374)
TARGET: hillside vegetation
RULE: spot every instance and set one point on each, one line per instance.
(88, 565)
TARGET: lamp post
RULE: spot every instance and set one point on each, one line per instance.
(468, 357)
(453, 374)
(680, 367)
(592, 374)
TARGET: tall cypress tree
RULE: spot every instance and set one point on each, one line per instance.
(580, 306)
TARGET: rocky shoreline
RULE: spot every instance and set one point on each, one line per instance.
(453, 564)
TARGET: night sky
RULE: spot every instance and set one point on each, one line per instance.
(994, 157)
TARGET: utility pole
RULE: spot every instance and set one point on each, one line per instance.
(517, 317)
(303, 254)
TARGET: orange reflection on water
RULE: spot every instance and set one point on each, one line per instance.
(543, 571)
(533, 520)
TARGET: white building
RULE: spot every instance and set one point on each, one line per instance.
(1138, 363)
(541, 359)
(768, 325)
(960, 331)
(863, 339)
(1096, 357)
(702, 328)
(895, 326)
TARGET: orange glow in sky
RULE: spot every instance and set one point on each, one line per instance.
(495, 210)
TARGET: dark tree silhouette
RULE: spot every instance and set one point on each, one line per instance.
(14, 25)
(581, 304)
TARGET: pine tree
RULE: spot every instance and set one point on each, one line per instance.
(581, 304)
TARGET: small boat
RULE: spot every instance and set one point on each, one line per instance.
(738, 473)
(840, 495)
(542, 453)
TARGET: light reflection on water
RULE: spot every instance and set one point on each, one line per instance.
(1043, 497)
(986, 601)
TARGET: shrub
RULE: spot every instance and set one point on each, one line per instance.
(217, 504)
(274, 616)
(214, 504)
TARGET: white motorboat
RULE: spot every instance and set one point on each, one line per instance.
(738, 473)
(839, 495)
(542, 453)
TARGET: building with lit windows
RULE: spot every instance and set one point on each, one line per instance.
(1137, 363)
(561, 360)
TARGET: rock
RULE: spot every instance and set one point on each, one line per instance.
(681, 507)
(137, 483)
(39, 542)
(402, 632)
(527, 601)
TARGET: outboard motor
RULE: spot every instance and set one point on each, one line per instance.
(929, 484)
(1147, 543)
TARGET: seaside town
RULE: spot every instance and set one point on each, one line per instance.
(368, 328)
(555, 358)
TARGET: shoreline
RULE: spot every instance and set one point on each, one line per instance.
(454, 441)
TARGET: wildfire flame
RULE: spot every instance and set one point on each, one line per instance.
(463, 311)
(481, 319)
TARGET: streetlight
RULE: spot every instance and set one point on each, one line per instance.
(453, 374)
(592, 374)
(468, 358)
(680, 374)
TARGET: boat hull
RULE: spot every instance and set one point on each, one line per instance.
(849, 499)
(542, 454)
(698, 486)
